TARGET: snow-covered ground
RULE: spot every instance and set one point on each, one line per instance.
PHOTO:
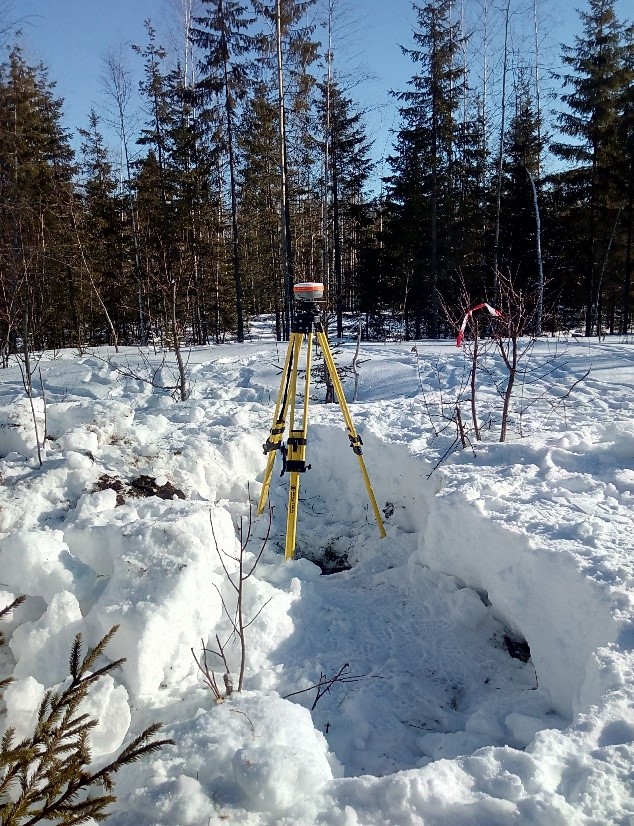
(440, 717)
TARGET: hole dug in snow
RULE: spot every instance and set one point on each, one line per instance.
(434, 670)
(430, 674)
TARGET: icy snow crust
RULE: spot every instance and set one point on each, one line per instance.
(436, 723)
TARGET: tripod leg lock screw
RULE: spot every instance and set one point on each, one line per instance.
(355, 444)
(272, 443)
(296, 441)
(296, 466)
(293, 465)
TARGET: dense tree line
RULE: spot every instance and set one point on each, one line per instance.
(251, 172)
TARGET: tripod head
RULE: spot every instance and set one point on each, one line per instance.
(308, 291)
(308, 295)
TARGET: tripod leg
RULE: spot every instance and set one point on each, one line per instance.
(272, 444)
(355, 439)
(296, 459)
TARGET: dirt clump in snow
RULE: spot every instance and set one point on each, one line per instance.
(142, 486)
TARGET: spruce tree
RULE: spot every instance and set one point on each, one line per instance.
(36, 169)
(349, 167)
(103, 240)
(192, 162)
(422, 186)
(47, 777)
(259, 188)
(222, 34)
(161, 191)
(599, 74)
(471, 225)
(626, 177)
(288, 51)
(523, 147)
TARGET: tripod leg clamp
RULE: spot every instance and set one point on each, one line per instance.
(296, 448)
(355, 444)
(272, 443)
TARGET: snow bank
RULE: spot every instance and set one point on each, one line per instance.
(17, 429)
(433, 721)
(563, 615)
(255, 753)
(38, 558)
(161, 590)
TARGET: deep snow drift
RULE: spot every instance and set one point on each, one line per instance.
(487, 639)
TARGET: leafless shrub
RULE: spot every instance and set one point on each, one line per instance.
(208, 674)
(500, 351)
(236, 617)
(325, 683)
(147, 372)
(27, 369)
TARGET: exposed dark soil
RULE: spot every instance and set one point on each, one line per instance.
(142, 486)
(517, 648)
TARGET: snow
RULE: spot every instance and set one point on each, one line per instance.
(142, 502)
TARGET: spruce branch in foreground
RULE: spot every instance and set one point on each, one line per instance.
(47, 776)
(4, 615)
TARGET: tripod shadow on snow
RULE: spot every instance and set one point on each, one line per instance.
(452, 629)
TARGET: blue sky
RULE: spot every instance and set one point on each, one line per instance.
(71, 36)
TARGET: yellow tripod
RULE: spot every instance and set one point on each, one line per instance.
(305, 327)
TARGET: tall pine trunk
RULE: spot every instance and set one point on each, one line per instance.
(285, 210)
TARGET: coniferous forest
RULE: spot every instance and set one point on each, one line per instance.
(251, 170)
